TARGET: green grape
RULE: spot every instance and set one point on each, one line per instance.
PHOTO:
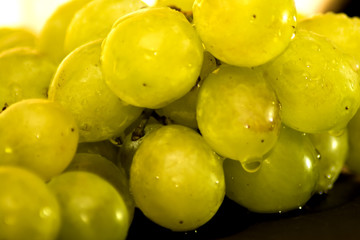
(39, 135)
(78, 85)
(238, 113)
(286, 180)
(28, 209)
(94, 21)
(332, 154)
(130, 145)
(342, 30)
(317, 85)
(353, 159)
(24, 73)
(104, 168)
(91, 207)
(183, 110)
(245, 33)
(16, 37)
(152, 57)
(184, 5)
(176, 179)
(104, 148)
(52, 35)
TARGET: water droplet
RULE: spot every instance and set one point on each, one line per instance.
(217, 181)
(157, 177)
(176, 185)
(252, 165)
(300, 207)
(280, 212)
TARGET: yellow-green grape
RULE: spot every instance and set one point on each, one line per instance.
(91, 208)
(24, 73)
(39, 135)
(106, 169)
(332, 153)
(78, 85)
(152, 57)
(176, 179)
(317, 85)
(131, 144)
(245, 33)
(286, 180)
(16, 37)
(104, 148)
(353, 159)
(52, 35)
(342, 30)
(28, 209)
(184, 5)
(238, 113)
(183, 110)
(94, 21)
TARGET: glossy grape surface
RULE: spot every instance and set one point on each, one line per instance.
(39, 135)
(28, 209)
(95, 20)
(78, 85)
(242, 32)
(91, 207)
(285, 181)
(181, 185)
(316, 83)
(156, 64)
(238, 113)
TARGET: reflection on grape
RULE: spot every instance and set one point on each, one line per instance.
(285, 181)
(28, 209)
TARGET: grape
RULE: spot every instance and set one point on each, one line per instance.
(103, 148)
(353, 159)
(238, 113)
(152, 57)
(28, 210)
(91, 207)
(183, 110)
(52, 35)
(180, 185)
(39, 135)
(16, 37)
(94, 20)
(342, 30)
(78, 85)
(24, 73)
(242, 32)
(102, 167)
(130, 146)
(285, 181)
(317, 85)
(332, 154)
(184, 5)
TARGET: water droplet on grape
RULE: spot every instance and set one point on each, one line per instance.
(300, 207)
(157, 177)
(252, 165)
(8, 150)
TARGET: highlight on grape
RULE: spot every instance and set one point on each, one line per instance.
(169, 107)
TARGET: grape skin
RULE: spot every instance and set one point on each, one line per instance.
(238, 113)
(180, 186)
(155, 65)
(245, 33)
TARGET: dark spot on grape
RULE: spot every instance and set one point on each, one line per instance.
(254, 16)
(144, 84)
(346, 108)
(293, 26)
(181, 222)
(262, 140)
(72, 129)
(4, 107)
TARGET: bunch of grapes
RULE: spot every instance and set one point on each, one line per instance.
(168, 109)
